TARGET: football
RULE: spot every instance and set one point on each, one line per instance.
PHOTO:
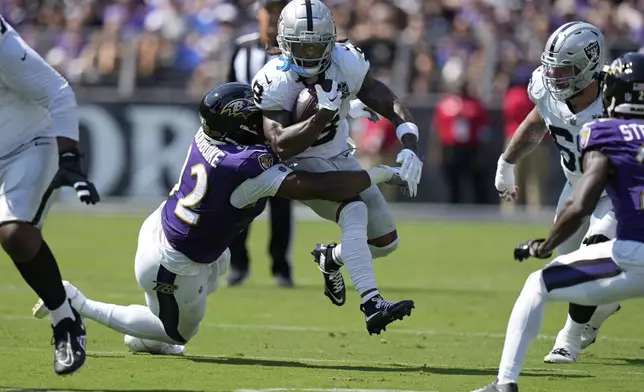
(306, 104)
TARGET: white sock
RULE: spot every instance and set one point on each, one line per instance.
(62, 312)
(134, 320)
(570, 334)
(523, 328)
(355, 252)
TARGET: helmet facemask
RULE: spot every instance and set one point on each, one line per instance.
(310, 53)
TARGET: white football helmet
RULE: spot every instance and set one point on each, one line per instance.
(306, 36)
(572, 59)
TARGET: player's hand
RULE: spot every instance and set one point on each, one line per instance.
(504, 180)
(70, 174)
(357, 109)
(530, 249)
(411, 168)
(330, 101)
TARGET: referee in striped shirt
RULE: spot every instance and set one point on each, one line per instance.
(249, 56)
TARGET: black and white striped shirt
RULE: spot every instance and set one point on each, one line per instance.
(249, 56)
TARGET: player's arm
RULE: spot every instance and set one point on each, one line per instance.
(337, 186)
(585, 196)
(377, 96)
(526, 138)
(25, 72)
(287, 139)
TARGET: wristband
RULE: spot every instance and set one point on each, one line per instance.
(406, 128)
(502, 163)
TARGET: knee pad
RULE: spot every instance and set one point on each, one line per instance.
(383, 251)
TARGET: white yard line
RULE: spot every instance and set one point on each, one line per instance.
(299, 328)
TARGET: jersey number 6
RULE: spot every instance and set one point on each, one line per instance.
(183, 209)
(570, 159)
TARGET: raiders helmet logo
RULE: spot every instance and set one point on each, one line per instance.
(265, 161)
(592, 51)
(241, 107)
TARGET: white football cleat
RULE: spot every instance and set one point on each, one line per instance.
(560, 355)
(589, 336)
(137, 345)
(39, 310)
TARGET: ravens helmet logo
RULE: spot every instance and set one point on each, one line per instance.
(241, 107)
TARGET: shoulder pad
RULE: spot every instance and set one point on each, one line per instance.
(599, 133)
(352, 63)
(536, 89)
(274, 89)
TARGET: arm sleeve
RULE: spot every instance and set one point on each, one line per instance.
(265, 185)
(26, 73)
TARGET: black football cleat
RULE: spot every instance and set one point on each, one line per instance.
(69, 343)
(494, 387)
(334, 287)
(380, 313)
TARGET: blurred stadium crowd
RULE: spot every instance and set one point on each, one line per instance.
(417, 46)
(474, 56)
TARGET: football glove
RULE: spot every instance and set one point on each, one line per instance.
(530, 249)
(330, 101)
(411, 168)
(70, 174)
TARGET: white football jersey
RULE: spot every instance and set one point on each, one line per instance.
(563, 124)
(35, 100)
(275, 89)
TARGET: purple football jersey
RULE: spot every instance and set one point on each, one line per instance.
(622, 141)
(198, 218)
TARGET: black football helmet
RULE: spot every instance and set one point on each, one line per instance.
(623, 87)
(228, 114)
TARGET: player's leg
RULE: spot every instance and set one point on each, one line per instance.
(588, 277)
(354, 252)
(568, 345)
(175, 303)
(281, 222)
(25, 176)
(240, 261)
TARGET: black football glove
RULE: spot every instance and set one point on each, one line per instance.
(70, 174)
(530, 249)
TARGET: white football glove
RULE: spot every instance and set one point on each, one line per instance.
(504, 180)
(411, 169)
(357, 109)
(330, 101)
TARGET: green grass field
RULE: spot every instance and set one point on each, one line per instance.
(259, 337)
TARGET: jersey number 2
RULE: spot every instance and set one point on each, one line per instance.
(183, 210)
(570, 160)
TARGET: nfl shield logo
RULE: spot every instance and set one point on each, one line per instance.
(584, 135)
(265, 161)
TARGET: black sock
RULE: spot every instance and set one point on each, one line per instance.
(581, 314)
(43, 275)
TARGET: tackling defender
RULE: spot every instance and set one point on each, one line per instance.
(309, 55)
(566, 92)
(38, 154)
(612, 159)
(182, 247)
